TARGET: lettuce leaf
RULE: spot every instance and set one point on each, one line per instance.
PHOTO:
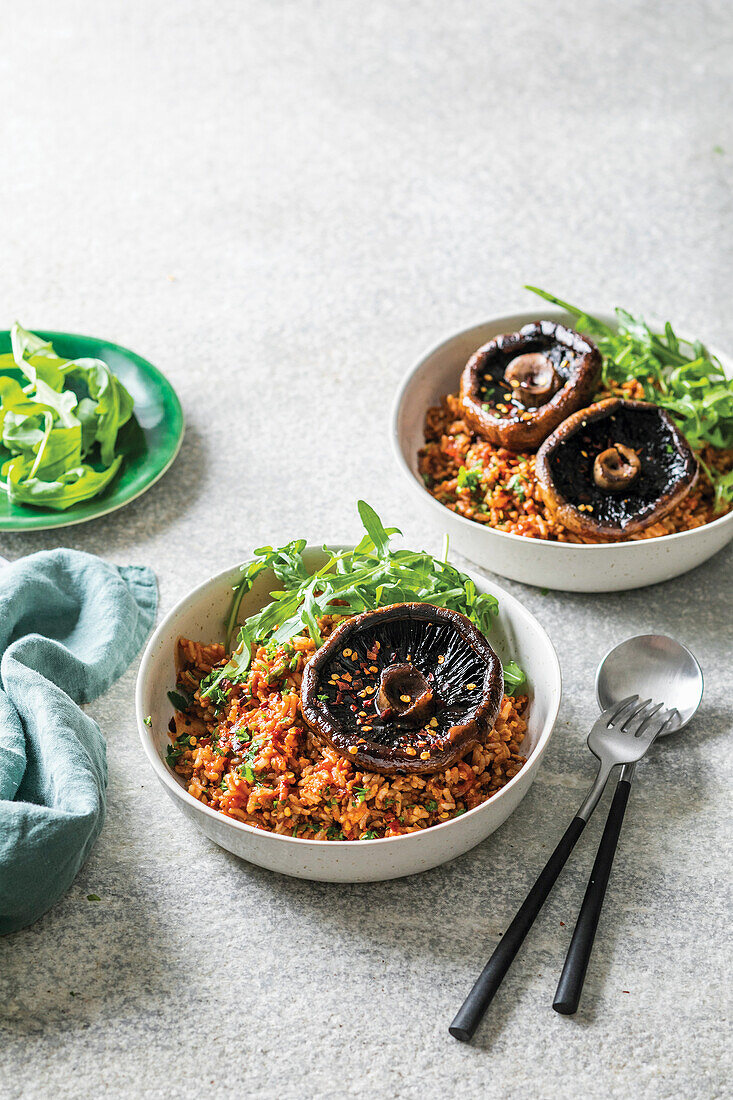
(70, 410)
(114, 403)
(73, 486)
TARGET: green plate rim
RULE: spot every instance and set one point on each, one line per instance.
(50, 520)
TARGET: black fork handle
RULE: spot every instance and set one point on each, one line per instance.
(570, 986)
(478, 1000)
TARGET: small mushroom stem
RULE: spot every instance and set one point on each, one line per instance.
(616, 468)
(404, 695)
(533, 379)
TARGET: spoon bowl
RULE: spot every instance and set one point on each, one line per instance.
(651, 666)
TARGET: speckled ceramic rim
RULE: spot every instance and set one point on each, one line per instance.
(514, 321)
(550, 673)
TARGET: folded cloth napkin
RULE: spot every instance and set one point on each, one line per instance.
(70, 624)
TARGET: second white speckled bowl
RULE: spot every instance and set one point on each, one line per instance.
(611, 567)
(516, 634)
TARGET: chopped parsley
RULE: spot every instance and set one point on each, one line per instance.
(515, 485)
(175, 751)
(431, 805)
(180, 700)
(469, 479)
(334, 833)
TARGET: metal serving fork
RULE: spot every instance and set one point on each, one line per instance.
(621, 735)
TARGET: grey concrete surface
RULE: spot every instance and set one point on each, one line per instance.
(280, 204)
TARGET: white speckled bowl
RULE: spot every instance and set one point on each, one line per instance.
(201, 615)
(611, 567)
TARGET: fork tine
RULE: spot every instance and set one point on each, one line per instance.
(613, 713)
(632, 723)
(640, 720)
(651, 729)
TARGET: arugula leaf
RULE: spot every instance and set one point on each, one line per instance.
(374, 527)
(513, 677)
(369, 576)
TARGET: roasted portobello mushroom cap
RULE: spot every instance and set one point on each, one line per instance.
(615, 468)
(407, 688)
(516, 389)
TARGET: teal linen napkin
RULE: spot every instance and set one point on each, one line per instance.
(70, 624)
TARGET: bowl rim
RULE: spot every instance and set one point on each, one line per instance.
(553, 674)
(624, 546)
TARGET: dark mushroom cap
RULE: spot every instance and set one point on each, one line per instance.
(614, 468)
(516, 389)
(407, 688)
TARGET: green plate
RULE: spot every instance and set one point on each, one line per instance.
(149, 441)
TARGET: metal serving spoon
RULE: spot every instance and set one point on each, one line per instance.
(621, 735)
(654, 666)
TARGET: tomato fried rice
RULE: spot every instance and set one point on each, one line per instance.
(257, 761)
(498, 487)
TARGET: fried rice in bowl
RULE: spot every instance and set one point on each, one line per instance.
(505, 528)
(280, 797)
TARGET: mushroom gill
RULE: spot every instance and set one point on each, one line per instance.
(516, 389)
(615, 468)
(406, 688)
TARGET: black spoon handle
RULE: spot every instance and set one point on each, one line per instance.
(478, 1000)
(570, 986)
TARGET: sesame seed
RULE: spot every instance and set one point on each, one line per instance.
(366, 728)
(348, 652)
(404, 698)
(424, 755)
(352, 749)
(441, 659)
(470, 687)
(410, 751)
